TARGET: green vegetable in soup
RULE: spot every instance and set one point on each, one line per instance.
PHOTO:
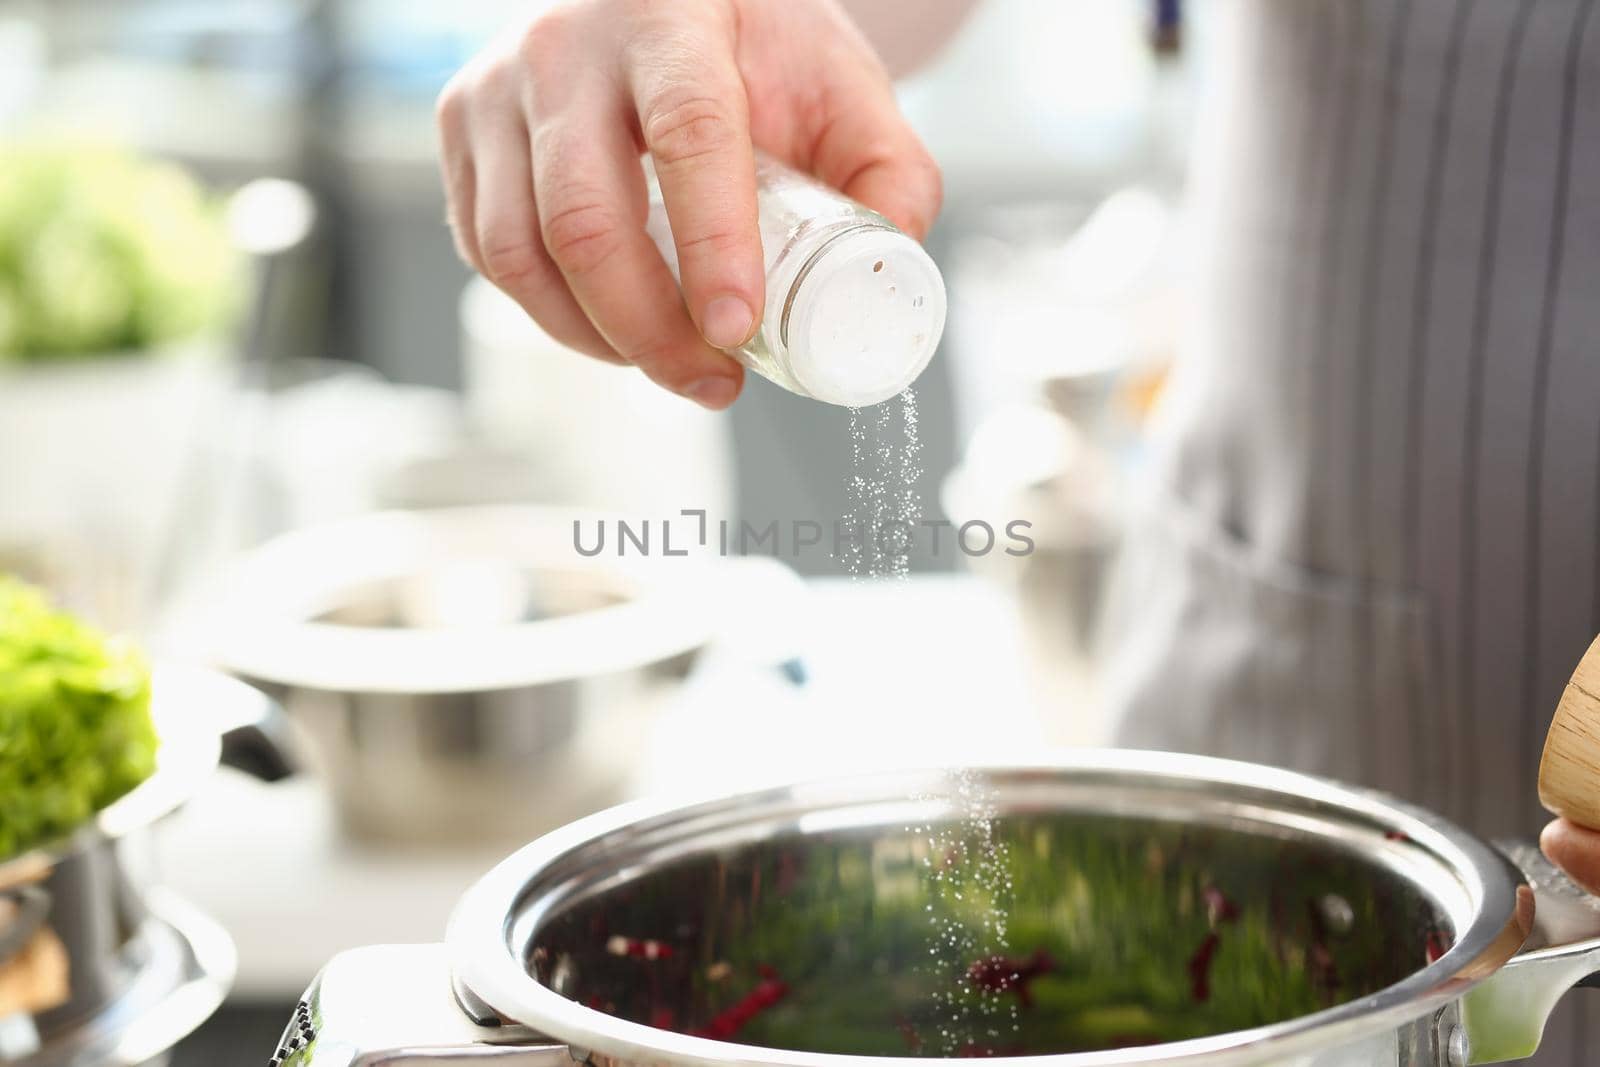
(1118, 931)
(75, 726)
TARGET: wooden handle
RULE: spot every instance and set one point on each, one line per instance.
(1569, 774)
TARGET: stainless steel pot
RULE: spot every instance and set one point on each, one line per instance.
(846, 922)
(142, 968)
(448, 663)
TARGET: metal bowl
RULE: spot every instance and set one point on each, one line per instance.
(454, 667)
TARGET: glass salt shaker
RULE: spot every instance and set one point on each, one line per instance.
(854, 308)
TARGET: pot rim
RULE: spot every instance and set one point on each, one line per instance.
(266, 626)
(492, 924)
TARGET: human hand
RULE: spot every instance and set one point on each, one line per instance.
(541, 137)
(1576, 850)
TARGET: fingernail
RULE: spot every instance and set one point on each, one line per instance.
(728, 322)
(714, 393)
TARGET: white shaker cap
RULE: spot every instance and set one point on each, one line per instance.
(865, 318)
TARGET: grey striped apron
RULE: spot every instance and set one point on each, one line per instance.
(1374, 548)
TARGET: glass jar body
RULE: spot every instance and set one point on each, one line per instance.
(828, 332)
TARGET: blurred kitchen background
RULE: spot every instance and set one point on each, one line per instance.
(264, 498)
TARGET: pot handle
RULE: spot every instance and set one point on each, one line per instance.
(262, 747)
(393, 1005)
(1505, 1017)
(254, 730)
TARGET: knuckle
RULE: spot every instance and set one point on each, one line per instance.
(655, 358)
(496, 80)
(509, 263)
(483, 81)
(451, 104)
(679, 129)
(546, 37)
(718, 243)
(581, 234)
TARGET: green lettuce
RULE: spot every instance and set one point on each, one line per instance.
(104, 252)
(75, 726)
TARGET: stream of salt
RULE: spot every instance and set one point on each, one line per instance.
(967, 883)
(885, 507)
(967, 869)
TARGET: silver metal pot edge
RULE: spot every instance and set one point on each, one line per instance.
(241, 728)
(145, 967)
(460, 995)
(265, 622)
(195, 968)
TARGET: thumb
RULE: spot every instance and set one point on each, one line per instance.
(1575, 850)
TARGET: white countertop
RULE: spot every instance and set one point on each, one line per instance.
(924, 671)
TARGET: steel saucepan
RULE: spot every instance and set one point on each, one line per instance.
(1103, 908)
(467, 673)
(130, 967)
(793, 926)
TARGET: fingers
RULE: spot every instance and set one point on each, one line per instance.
(1575, 850)
(489, 198)
(591, 212)
(508, 249)
(694, 121)
(541, 138)
(546, 199)
(455, 165)
(864, 146)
